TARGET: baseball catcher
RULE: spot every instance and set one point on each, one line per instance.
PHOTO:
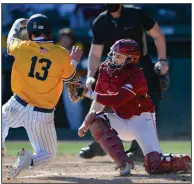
(122, 86)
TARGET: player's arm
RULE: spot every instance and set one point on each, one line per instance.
(14, 31)
(72, 60)
(96, 106)
(153, 29)
(12, 41)
(95, 53)
(112, 100)
(160, 42)
(94, 57)
(126, 93)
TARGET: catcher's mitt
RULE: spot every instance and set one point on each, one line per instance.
(74, 90)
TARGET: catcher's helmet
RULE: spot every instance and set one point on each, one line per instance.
(37, 24)
(128, 48)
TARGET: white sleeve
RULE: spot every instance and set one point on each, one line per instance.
(97, 106)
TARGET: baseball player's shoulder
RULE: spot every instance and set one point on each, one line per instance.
(18, 42)
(62, 53)
(61, 50)
(138, 74)
(16, 45)
(136, 71)
(103, 65)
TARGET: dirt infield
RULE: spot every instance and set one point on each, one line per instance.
(100, 170)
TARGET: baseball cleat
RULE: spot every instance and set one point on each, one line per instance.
(94, 149)
(23, 162)
(126, 169)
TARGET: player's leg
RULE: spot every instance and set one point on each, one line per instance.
(41, 131)
(94, 148)
(144, 130)
(42, 134)
(110, 142)
(12, 117)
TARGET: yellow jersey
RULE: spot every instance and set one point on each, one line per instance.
(39, 70)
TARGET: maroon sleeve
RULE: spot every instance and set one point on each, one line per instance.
(116, 99)
(136, 84)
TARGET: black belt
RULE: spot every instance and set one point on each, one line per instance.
(22, 102)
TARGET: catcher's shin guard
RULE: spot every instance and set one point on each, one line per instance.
(109, 141)
(158, 163)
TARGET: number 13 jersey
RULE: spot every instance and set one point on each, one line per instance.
(39, 70)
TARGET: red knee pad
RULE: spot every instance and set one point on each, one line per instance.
(159, 163)
(109, 141)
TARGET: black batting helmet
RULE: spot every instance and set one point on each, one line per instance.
(38, 24)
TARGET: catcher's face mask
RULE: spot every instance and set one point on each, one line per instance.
(117, 59)
(124, 51)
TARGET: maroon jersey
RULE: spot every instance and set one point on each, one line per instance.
(124, 90)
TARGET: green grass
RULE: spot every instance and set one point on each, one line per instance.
(73, 147)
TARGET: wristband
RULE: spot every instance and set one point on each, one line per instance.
(91, 95)
(162, 60)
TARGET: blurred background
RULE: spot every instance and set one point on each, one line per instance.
(72, 25)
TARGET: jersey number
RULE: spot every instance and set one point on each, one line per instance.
(44, 68)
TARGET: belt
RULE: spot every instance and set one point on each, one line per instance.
(22, 102)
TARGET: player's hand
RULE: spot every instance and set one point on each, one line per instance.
(90, 117)
(89, 82)
(161, 67)
(76, 53)
(20, 23)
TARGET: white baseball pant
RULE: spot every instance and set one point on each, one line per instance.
(38, 125)
(142, 128)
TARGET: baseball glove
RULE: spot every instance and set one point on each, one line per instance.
(163, 78)
(75, 91)
(164, 82)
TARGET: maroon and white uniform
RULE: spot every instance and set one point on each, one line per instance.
(125, 91)
(122, 86)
